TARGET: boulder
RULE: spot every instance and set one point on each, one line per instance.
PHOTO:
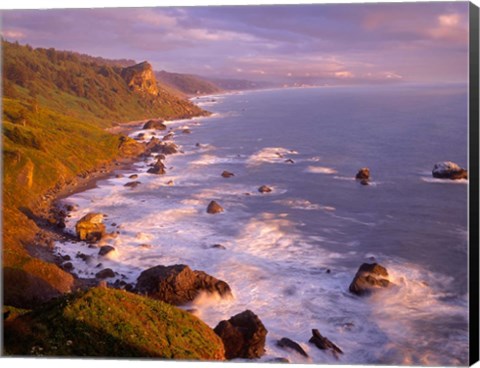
(168, 136)
(158, 168)
(156, 124)
(363, 174)
(133, 176)
(105, 273)
(285, 342)
(323, 343)
(90, 227)
(178, 284)
(169, 148)
(243, 336)
(132, 184)
(227, 174)
(264, 189)
(186, 131)
(369, 276)
(449, 170)
(105, 250)
(214, 207)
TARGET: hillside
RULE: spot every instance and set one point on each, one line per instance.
(55, 108)
(188, 84)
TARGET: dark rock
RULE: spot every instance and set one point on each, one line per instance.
(214, 208)
(168, 136)
(218, 246)
(70, 207)
(364, 182)
(178, 284)
(285, 342)
(61, 224)
(323, 343)
(289, 161)
(90, 227)
(227, 174)
(363, 174)
(186, 131)
(140, 136)
(449, 170)
(264, 189)
(369, 277)
(132, 184)
(243, 336)
(278, 360)
(133, 176)
(169, 149)
(105, 273)
(68, 266)
(66, 257)
(158, 168)
(106, 249)
(84, 257)
(156, 124)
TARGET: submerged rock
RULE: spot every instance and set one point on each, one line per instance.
(369, 276)
(227, 174)
(106, 273)
(363, 174)
(90, 227)
(105, 250)
(132, 184)
(243, 336)
(285, 342)
(158, 168)
(323, 343)
(449, 170)
(156, 124)
(214, 207)
(264, 189)
(178, 284)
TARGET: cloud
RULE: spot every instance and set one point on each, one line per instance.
(13, 34)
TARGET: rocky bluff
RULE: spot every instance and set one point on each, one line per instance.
(140, 78)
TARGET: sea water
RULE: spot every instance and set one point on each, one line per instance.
(291, 254)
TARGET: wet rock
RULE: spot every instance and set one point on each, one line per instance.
(289, 161)
(132, 184)
(363, 174)
(364, 182)
(105, 250)
(68, 266)
(449, 170)
(369, 276)
(278, 360)
(170, 183)
(178, 284)
(186, 131)
(133, 176)
(218, 246)
(158, 168)
(90, 227)
(169, 149)
(140, 136)
(324, 343)
(70, 207)
(168, 136)
(214, 208)
(84, 257)
(285, 342)
(264, 189)
(156, 124)
(227, 174)
(243, 336)
(105, 273)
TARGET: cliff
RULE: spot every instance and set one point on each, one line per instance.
(141, 79)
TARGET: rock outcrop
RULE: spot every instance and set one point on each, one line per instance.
(214, 207)
(323, 343)
(264, 189)
(156, 124)
(140, 78)
(178, 284)
(227, 174)
(363, 175)
(370, 276)
(158, 168)
(243, 336)
(90, 227)
(287, 343)
(449, 170)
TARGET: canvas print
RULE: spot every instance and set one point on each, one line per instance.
(257, 183)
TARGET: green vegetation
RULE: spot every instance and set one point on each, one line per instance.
(188, 84)
(108, 322)
(55, 108)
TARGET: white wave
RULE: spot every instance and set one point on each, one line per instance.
(271, 155)
(320, 170)
(303, 204)
(444, 181)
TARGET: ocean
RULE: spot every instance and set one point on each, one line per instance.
(291, 254)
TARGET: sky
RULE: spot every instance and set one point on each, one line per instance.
(316, 44)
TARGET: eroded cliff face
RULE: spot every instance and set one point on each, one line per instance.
(140, 78)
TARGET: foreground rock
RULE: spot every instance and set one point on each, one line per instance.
(132, 326)
(90, 227)
(369, 276)
(214, 207)
(178, 284)
(363, 175)
(155, 145)
(227, 174)
(156, 124)
(264, 189)
(158, 168)
(323, 343)
(243, 336)
(449, 170)
(105, 250)
(104, 274)
(285, 342)
(132, 184)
